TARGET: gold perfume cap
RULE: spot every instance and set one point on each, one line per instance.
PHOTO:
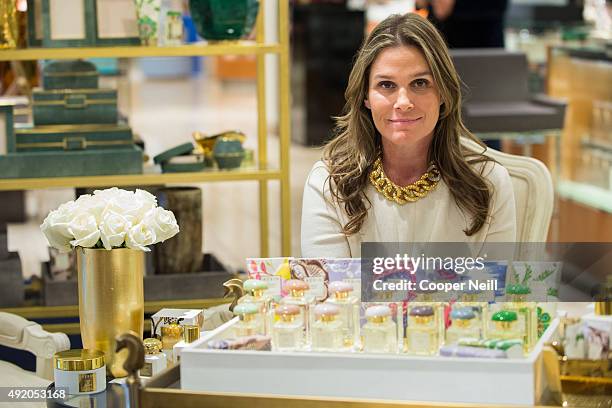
(78, 360)
(191, 333)
(171, 334)
(152, 346)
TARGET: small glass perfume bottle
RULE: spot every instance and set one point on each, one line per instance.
(155, 360)
(341, 296)
(423, 331)
(251, 321)
(288, 328)
(171, 334)
(380, 331)
(190, 334)
(255, 290)
(255, 293)
(477, 300)
(327, 332)
(464, 324)
(297, 296)
(527, 314)
(505, 326)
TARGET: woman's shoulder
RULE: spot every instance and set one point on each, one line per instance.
(493, 171)
(318, 174)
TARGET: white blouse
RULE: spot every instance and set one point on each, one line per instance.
(434, 218)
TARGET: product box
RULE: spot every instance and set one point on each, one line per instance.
(74, 106)
(381, 377)
(183, 316)
(70, 74)
(72, 163)
(73, 137)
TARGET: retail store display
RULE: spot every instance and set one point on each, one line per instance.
(341, 295)
(326, 328)
(224, 19)
(251, 320)
(380, 331)
(464, 323)
(155, 361)
(255, 294)
(80, 371)
(288, 328)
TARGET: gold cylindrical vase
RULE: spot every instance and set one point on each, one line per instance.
(111, 300)
(9, 24)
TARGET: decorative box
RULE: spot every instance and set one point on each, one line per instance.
(6, 128)
(70, 74)
(35, 23)
(380, 377)
(116, 22)
(74, 106)
(68, 23)
(73, 137)
(99, 162)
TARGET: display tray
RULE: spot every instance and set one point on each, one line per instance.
(199, 285)
(365, 376)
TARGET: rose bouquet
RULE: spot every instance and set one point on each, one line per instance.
(111, 218)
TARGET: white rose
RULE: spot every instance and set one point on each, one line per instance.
(145, 197)
(85, 230)
(162, 222)
(93, 205)
(131, 207)
(56, 226)
(113, 229)
(139, 236)
(107, 195)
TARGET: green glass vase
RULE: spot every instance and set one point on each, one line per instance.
(217, 20)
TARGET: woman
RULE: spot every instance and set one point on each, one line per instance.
(396, 170)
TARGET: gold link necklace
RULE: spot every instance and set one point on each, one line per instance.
(409, 193)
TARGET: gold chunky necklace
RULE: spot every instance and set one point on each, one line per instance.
(409, 193)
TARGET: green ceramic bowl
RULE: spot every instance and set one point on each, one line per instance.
(224, 19)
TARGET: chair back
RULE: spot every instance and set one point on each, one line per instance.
(533, 192)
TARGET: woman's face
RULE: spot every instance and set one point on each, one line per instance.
(402, 96)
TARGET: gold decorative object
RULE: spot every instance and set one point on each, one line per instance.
(9, 25)
(205, 144)
(111, 300)
(233, 287)
(409, 193)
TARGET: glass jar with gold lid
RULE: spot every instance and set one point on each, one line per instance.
(80, 371)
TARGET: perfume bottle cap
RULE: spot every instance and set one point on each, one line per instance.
(462, 313)
(340, 286)
(191, 333)
(504, 316)
(254, 284)
(152, 346)
(378, 311)
(295, 284)
(246, 309)
(326, 309)
(172, 330)
(518, 289)
(78, 360)
(287, 310)
(422, 311)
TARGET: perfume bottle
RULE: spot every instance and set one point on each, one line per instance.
(464, 324)
(423, 331)
(288, 328)
(426, 299)
(255, 290)
(251, 321)
(477, 300)
(190, 334)
(527, 314)
(380, 331)
(327, 334)
(341, 296)
(297, 296)
(155, 360)
(505, 326)
(171, 334)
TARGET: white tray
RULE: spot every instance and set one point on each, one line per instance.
(365, 376)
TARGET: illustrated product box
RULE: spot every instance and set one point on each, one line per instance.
(73, 137)
(74, 106)
(11, 281)
(381, 377)
(100, 162)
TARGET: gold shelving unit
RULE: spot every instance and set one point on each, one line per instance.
(262, 174)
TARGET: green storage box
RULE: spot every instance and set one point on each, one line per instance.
(66, 164)
(73, 137)
(74, 106)
(70, 74)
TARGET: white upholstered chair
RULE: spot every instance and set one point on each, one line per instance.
(533, 192)
(19, 333)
